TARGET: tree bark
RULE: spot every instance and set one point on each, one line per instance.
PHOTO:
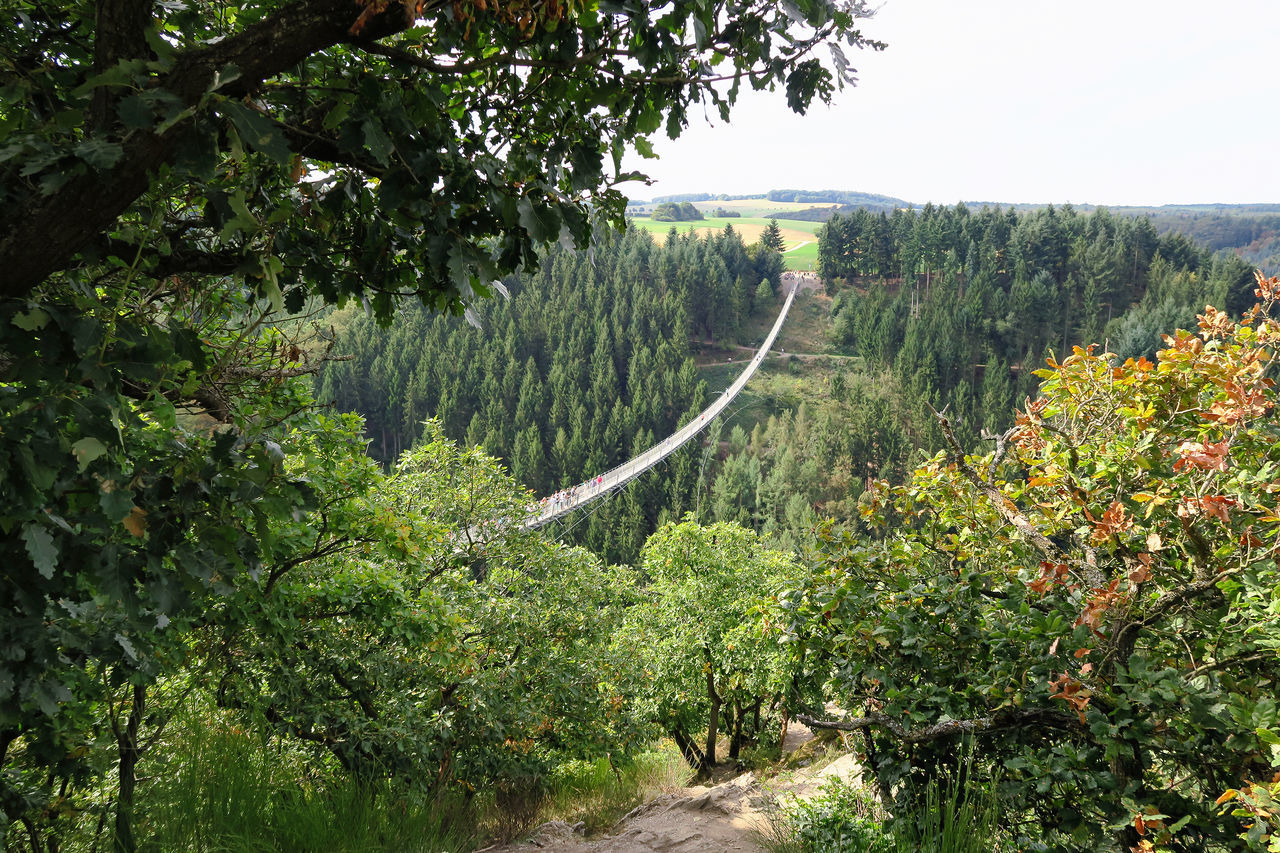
(44, 236)
(713, 721)
(1004, 719)
(735, 740)
(127, 744)
(688, 749)
(120, 28)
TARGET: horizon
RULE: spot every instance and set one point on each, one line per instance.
(967, 202)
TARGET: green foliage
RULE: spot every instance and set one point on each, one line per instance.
(705, 638)
(963, 306)
(676, 212)
(957, 813)
(133, 516)
(1257, 804)
(1095, 601)
(407, 146)
(813, 461)
(598, 793)
(586, 362)
(840, 818)
(434, 660)
(771, 238)
(216, 784)
(173, 178)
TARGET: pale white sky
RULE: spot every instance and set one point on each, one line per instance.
(1114, 102)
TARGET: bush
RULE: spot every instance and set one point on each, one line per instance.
(842, 818)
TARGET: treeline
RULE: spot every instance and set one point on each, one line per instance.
(963, 306)
(814, 214)
(1254, 235)
(679, 197)
(584, 365)
(868, 201)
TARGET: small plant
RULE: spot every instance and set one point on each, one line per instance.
(958, 813)
(842, 818)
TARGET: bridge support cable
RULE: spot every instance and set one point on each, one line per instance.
(564, 502)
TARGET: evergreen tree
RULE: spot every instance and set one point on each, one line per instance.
(771, 237)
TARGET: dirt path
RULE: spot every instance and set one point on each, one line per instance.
(724, 817)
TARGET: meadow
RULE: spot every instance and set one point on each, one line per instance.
(801, 252)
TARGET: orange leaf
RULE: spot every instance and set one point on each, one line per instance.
(136, 522)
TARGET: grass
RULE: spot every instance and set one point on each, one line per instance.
(220, 788)
(215, 787)
(794, 233)
(598, 793)
(806, 328)
(803, 257)
(954, 813)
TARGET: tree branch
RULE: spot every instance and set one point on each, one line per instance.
(66, 221)
(120, 28)
(1006, 718)
(1007, 509)
(1238, 660)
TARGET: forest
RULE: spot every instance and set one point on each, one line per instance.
(303, 303)
(1105, 472)
(941, 307)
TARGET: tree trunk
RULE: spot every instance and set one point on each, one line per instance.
(33, 835)
(67, 220)
(688, 749)
(713, 718)
(735, 741)
(127, 744)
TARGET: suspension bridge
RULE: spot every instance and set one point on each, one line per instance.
(565, 501)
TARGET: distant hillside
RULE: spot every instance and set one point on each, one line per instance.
(1250, 231)
(679, 197)
(848, 198)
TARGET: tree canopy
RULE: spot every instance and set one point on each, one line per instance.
(1094, 600)
(174, 178)
(372, 148)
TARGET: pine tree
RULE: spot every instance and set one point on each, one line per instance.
(771, 238)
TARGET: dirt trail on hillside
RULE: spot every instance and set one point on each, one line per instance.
(725, 817)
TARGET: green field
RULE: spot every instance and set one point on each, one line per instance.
(795, 233)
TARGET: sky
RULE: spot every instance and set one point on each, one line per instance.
(1122, 102)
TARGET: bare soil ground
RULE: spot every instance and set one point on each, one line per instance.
(702, 819)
